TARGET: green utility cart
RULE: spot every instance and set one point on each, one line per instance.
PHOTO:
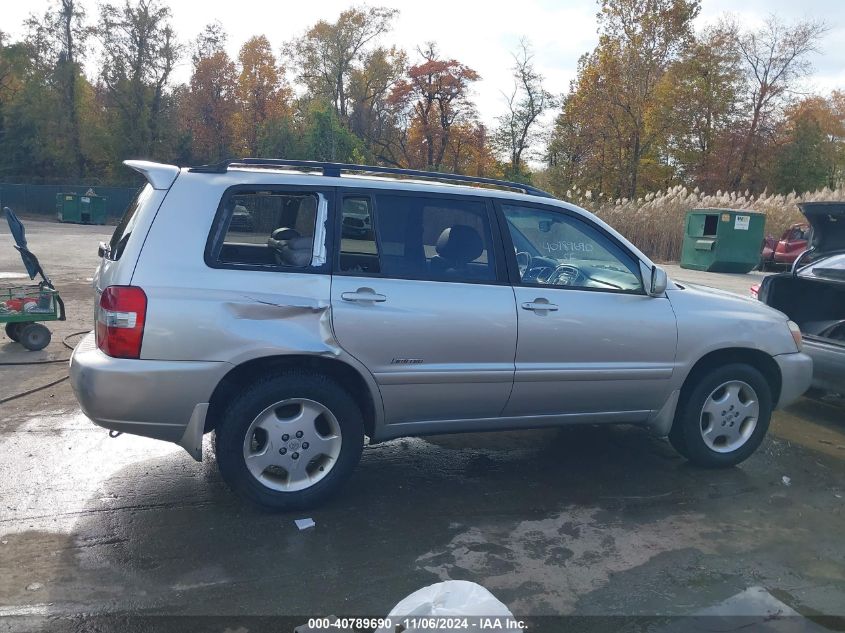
(24, 308)
(87, 209)
(722, 240)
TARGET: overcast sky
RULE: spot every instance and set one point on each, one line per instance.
(479, 33)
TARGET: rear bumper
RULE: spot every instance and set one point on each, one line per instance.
(828, 364)
(152, 398)
(796, 371)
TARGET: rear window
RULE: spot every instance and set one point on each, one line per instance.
(434, 238)
(123, 231)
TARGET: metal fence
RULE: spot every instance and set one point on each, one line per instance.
(41, 199)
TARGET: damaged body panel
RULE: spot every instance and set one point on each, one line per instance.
(199, 316)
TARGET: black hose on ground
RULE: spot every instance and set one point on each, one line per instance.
(42, 362)
(33, 390)
(48, 362)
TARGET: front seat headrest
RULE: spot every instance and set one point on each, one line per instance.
(460, 244)
(306, 215)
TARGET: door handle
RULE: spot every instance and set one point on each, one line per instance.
(539, 305)
(363, 295)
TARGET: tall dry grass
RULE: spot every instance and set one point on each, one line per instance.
(655, 222)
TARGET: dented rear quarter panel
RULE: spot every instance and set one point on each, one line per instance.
(199, 313)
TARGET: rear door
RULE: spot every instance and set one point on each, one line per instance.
(420, 296)
(593, 345)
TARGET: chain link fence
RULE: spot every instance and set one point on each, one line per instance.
(41, 199)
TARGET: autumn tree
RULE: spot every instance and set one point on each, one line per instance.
(470, 151)
(649, 33)
(212, 39)
(613, 97)
(26, 115)
(211, 105)
(261, 91)
(139, 52)
(436, 93)
(527, 101)
(811, 155)
(569, 149)
(698, 108)
(802, 163)
(775, 57)
(329, 52)
(58, 40)
(374, 116)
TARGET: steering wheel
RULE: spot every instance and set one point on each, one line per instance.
(563, 275)
(523, 262)
(545, 270)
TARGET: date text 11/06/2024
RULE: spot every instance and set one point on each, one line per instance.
(420, 623)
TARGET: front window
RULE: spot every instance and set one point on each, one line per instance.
(556, 249)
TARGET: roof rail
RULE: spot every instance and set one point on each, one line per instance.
(335, 170)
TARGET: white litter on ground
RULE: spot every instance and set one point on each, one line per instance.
(304, 524)
(451, 598)
(786, 480)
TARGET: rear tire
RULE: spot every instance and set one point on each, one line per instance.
(34, 336)
(13, 331)
(290, 440)
(724, 417)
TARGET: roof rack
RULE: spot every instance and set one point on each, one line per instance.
(335, 170)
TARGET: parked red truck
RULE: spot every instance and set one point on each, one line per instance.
(785, 251)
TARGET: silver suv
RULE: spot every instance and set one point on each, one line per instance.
(372, 302)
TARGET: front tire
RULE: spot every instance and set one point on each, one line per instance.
(724, 417)
(290, 440)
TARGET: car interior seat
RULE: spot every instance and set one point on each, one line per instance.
(456, 247)
(294, 246)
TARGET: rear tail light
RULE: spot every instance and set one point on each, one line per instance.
(120, 321)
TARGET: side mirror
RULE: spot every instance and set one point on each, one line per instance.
(658, 282)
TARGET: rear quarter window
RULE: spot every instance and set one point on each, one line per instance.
(269, 229)
(123, 230)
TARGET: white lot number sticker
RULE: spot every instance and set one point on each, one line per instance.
(742, 222)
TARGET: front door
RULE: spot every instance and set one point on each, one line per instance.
(592, 344)
(419, 296)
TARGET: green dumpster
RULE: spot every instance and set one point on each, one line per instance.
(87, 209)
(722, 240)
(67, 207)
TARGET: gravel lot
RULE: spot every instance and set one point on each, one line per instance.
(584, 522)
